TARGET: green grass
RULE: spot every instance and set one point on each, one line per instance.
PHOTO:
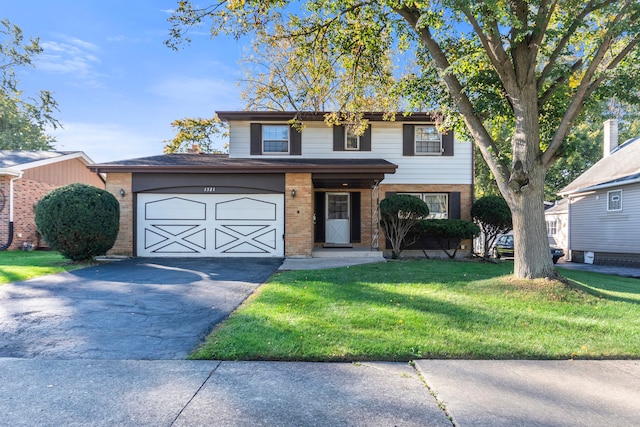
(22, 265)
(407, 310)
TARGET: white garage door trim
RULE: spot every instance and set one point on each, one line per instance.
(211, 225)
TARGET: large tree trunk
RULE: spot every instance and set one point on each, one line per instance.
(525, 188)
(532, 257)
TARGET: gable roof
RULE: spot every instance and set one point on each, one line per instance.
(621, 167)
(560, 207)
(20, 160)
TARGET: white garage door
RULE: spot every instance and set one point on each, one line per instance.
(212, 225)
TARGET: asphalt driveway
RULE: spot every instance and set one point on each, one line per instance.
(133, 309)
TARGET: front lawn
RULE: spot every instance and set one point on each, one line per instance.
(407, 310)
(23, 265)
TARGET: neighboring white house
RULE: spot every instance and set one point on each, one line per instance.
(604, 205)
(557, 218)
(283, 191)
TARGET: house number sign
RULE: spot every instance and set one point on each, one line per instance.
(209, 189)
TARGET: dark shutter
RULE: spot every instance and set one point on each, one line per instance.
(386, 196)
(408, 141)
(256, 139)
(355, 218)
(447, 144)
(454, 205)
(295, 148)
(338, 138)
(365, 140)
(319, 217)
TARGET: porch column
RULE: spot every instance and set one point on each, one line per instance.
(298, 240)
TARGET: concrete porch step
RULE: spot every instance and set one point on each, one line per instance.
(346, 253)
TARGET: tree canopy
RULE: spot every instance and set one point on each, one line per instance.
(513, 75)
(23, 118)
(200, 132)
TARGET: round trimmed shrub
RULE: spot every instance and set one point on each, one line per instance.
(79, 221)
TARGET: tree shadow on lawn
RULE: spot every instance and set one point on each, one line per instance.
(614, 288)
(461, 330)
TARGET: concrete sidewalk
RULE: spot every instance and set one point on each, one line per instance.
(197, 393)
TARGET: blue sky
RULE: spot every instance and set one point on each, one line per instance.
(118, 86)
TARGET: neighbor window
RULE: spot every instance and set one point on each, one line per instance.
(428, 140)
(352, 140)
(275, 138)
(438, 204)
(552, 227)
(614, 200)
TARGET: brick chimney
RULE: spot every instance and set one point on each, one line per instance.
(610, 136)
(195, 148)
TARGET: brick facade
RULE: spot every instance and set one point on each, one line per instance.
(466, 193)
(26, 194)
(124, 241)
(298, 215)
(466, 200)
(299, 210)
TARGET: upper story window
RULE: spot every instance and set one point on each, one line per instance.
(275, 138)
(351, 140)
(345, 138)
(428, 141)
(552, 227)
(614, 200)
(424, 140)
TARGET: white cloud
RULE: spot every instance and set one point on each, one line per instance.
(105, 142)
(70, 55)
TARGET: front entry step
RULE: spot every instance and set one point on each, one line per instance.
(346, 252)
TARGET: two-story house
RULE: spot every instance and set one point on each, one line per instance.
(282, 191)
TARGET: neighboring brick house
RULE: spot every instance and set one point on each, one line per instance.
(283, 192)
(32, 174)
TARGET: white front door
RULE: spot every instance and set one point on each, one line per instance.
(337, 225)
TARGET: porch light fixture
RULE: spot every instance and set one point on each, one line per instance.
(293, 192)
(122, 192)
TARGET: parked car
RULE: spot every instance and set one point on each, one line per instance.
(504, 248)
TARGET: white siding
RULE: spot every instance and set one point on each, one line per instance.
(595, 229)
(561, 239)
(386, 143)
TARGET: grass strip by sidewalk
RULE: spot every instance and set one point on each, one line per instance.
(399, 311)
(22, 265)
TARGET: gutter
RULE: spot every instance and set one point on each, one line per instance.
(16, 175)
(230, 169)
(598, 187)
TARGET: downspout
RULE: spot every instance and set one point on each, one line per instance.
(10, 239)
(567, 256)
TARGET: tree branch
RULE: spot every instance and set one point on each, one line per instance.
(494, 48)
(579, 19)
(558, 83)
(485, 143)
(587, 86)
